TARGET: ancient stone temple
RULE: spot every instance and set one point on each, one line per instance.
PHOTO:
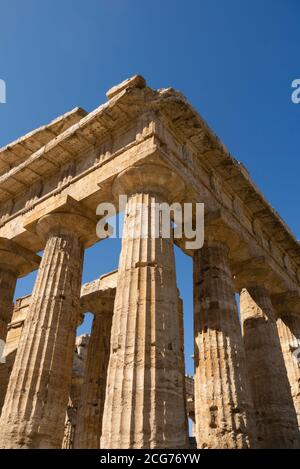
(124, 386)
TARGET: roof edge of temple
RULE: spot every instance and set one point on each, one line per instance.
(135, 93)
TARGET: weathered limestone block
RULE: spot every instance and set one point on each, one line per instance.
(289, 334)
(91, 403)
(15, 261)
(144, 405)
(287, 307)
(33, 414)
(276, 420)
(223, 406)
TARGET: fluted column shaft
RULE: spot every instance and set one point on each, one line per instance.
(70, 424)
(223, 407)
(181, 330)
(91, 404)
(15, 261)
(34, 410)
(144, 405)
(288, 326)
(274, 410)
(8, 279)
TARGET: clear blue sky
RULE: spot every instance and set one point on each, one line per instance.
(234, 60)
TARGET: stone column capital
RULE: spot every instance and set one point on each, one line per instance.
(257, 271)
(287, 303)
(16, 258)
(64, 215)
(218, 229)
(150, 178)
(98, 304)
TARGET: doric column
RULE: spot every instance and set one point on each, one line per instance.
(223, 406)
(144, 405)
(287, 305)
(181, 329)
(34, 410)
(289, 334)
(276, 420)
(8, 279)
(15, 261)
(91, 403)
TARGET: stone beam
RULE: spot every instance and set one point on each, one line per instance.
(92, 293)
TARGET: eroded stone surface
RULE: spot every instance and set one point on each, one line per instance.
(91, 403)
(79, 364)
(223, 406)
(34, 409)
(289, 334)
(276, 421)
(144, 405)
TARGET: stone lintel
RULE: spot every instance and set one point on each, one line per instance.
(69, 214)
(17, 258)
(93, 293)
(98, 296)
(14, 328)
(103, 283)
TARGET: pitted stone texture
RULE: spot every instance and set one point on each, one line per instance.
(11, 343)
(223, 406)
(8, 280)
(144, 405)
(276, 421)
(15, 261)
(182, 367)
(79, 363)
(34, 410)
(190, 398)
(289, 334)
(91, 403)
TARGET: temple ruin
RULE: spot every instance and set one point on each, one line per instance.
(125, 385)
